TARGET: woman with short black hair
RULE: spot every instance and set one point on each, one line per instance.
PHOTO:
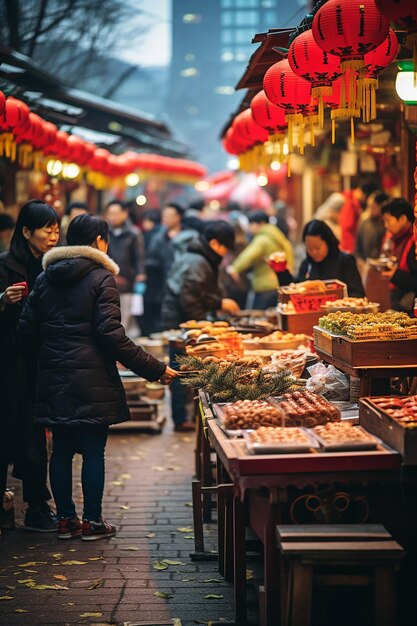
(36, 232)
(73, 317)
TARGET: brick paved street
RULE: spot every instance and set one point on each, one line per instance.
(148, 494)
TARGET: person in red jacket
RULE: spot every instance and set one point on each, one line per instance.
(355, 200)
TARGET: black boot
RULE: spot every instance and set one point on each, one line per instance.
(41, 519)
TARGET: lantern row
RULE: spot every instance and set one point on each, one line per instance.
(333, 63)
(31, 140)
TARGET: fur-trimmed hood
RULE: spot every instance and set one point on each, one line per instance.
(69, 264)
(74, 252)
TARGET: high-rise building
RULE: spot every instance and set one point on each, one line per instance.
(211, 47)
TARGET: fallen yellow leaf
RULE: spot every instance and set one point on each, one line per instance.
(124, 507)
(32, 563)
(91, 614)
(74, 563)
(60, 577)
(6, 598)
(162, 594)
(117, 483)
(185, 529)
(21, 611)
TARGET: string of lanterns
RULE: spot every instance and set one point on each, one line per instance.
(332, 64)
(35, 143)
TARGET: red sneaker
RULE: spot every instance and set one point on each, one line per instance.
(97, 530)
(69, 527)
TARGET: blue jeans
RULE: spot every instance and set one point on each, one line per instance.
(90, 442)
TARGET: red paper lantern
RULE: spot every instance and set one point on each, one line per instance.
(15, 114)
(349, 28)
(268, 115)
(318, 67)
(246, 128)
(375, 62)
(402, 12)
(290, 92)
(99, 160)
(233, 144)
(2, 102)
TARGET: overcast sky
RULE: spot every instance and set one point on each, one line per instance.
(154, 47)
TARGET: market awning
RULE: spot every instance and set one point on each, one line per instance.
(62, 105)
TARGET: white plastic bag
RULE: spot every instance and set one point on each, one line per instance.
(328, 382)
(136, 307)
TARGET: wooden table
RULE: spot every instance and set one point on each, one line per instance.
(260, 490)
(370, 373)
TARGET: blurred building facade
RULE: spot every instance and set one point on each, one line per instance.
(211, 47)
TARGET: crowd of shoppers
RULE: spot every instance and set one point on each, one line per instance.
(60, 345)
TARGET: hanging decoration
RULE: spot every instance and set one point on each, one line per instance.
(403, 13)
(38, 144)
(375, 62)
(272, 118)
(292, 93)
(349, 30)
(318, 67)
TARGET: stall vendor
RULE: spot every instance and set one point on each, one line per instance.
(325, 261)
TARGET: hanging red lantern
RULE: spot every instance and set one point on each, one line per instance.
(349, 29)
(375, 62)
(290, 92)
(268, 115)
(76, 149)
(234, 144)
(318, 67)
(246, 127)
(99, 160)
(2, 102)
(403, 13)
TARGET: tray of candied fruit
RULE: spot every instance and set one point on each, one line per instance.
(394, 420)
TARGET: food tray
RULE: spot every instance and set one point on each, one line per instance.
(279, 448)
(371, 444)
(220, 415)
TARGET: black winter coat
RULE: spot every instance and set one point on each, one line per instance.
(192, 290)
(342, 266)
(73, 314)
(17, 379)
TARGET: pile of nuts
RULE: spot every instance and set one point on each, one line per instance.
(251, 414)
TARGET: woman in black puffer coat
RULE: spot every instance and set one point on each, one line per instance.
(21, 441)
(73, 318)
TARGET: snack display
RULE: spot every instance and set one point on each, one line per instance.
(401, 408)
(281, 440)
(308, 286)
(200, 324)
(277, 340)
(368, 326)
(245, 414)
(344, 436)
(304, 408)
(353, 304)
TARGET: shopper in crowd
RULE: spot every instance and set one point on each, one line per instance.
(7, 225)
(192, 292)
(236, 290)
(148, 322)
(22, 442)
(126, 247)
(398, 218)
(171, 242)
(72, 210)
(350, 213)
(325, 261)
(267, 239)
(72, 318)
(329, 212)
(371, 228)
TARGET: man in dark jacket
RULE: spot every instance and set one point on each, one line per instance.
(192, 292)
(127, 248)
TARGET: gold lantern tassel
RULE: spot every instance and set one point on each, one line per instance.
(289, 166)
(344, 114)
(291, 119)
(333, 130)
(317, 93)
(350, 68)
(369, 87)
